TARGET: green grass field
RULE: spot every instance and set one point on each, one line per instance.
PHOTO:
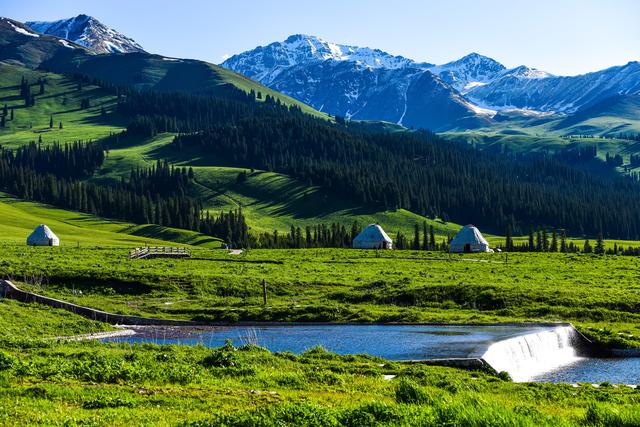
(147, 385)
(18, 219)
(61, 101)
(599, 294)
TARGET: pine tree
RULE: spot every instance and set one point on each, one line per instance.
(51, 122)
(416, 237)
(509, 239)
(425, 236)
(12, 114)
(587, 247)
(60, 125)
(432, 238)
(600, 244)
(545, 240)
(538, 241)
(563, 241)
(531, 246)
(554, 242)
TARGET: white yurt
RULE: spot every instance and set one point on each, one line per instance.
(43, 236)
(469, 239)
(372, 237)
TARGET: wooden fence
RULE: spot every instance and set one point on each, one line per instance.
(158, 252)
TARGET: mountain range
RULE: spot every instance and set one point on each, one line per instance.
(357, 83)
(369, 84)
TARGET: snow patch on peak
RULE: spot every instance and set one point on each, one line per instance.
(527, 73)
(88, 32)
(469, 71)
(264, 63)
(21, 30)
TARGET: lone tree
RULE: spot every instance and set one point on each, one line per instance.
(600, 244)
(60, 125)
(51, 122)
(416, 237)
(531, 246)
(587, 249)
(508, 244)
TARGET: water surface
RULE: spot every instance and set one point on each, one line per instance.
(410, 342)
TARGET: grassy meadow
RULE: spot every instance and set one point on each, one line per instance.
(89, 383)
(599, 294)
(61, 101)
(18, 218)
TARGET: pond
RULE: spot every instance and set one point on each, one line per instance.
(528, 353)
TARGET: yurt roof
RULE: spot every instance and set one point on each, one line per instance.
(43, 231)
(373, 232)
(469, 234)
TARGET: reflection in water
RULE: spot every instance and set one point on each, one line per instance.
(527, 353)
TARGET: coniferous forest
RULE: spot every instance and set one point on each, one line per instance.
(414, 170)
(52, 175)
(417, 170)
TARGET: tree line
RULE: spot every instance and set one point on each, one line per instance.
(413, 170)
(27, 174)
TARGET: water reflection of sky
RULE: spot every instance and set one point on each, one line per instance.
(393, 342)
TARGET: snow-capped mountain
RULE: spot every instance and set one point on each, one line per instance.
(358, 83)
(468, 72)
(364, 83)
(265, 63)
(526, 88)
(88, 32)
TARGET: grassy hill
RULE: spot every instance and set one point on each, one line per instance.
(18, 219)
(270, 201)
(60, 101)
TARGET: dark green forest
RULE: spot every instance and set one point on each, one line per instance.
(416, 170)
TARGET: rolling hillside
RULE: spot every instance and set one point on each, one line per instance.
(20, 44)
(60, 102)
(270, 201)
(18, 218)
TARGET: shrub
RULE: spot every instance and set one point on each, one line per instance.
(6, 361)
(101, 402)
(223, 357)
(408, 391)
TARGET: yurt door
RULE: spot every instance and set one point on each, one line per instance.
(467, 248)
(50, 242)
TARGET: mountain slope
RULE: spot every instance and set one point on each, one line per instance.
(611, 116)
(18, 218)
(18, 43)
(468, 72)
(527, 88)
(357, 83)
(369, 84)
(265, 63)
(88, 32)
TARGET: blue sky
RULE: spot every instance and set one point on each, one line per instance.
(562, 37)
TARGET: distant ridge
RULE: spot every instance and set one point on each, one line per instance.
(88, 32)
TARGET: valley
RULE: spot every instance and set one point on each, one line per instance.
(312, 191)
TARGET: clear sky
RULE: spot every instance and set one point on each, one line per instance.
(559, 36)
